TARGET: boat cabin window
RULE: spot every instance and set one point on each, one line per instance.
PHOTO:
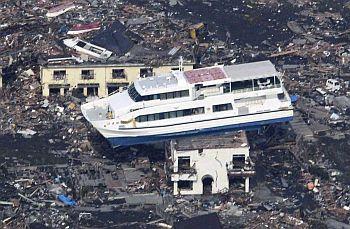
(266, 83)
(133, 93)
(222, 107)
(168, 95)
(170, 114)
(226, 87)
(255, 85)
(246, 85)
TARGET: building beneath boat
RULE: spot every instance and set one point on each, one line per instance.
(210, 164)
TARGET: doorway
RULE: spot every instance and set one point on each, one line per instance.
(207, 181)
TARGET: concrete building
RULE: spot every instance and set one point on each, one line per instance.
(97, 79)
(210, 164)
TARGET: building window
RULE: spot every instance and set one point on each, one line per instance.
(118, 74)
(222, 107)
(238, 161)
(183, 163)
(59, 74)
(87, 74)
(185, 185)
(146, 72)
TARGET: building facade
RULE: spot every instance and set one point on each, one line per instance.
(97, 79)
(210, 164)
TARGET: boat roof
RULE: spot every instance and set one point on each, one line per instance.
(160, 84)
(251, 71)
(204, 74)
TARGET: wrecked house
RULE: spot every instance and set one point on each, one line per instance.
(97, 79)
(210, 164)
(114, 38)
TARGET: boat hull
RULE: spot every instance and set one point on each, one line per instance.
(134, 140)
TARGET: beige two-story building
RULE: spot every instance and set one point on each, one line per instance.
(97, 79)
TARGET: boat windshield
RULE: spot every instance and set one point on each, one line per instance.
(133, 93)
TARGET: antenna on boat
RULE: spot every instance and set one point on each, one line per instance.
(181, 63)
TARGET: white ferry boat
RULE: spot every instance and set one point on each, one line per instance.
(200, 101)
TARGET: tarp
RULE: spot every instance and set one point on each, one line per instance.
(66, 200)
(294, 98)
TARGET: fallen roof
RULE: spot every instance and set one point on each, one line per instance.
(113, 38)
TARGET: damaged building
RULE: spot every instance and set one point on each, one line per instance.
(97, 79)
(210, 164)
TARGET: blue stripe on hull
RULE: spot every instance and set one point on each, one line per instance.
(125, 141)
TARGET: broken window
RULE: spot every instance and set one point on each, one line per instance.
(185, 184)
(87, 74)
(238, 161)
(236, 183)
(184, 163)
(54, 91)
(92, 91)
(112, 87)
(146, 72)
(118, 74)
(59, 74)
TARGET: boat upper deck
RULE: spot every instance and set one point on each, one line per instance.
(216, 75)
(170, 82)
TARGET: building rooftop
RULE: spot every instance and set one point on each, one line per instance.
(71, 63)
(229, 140)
